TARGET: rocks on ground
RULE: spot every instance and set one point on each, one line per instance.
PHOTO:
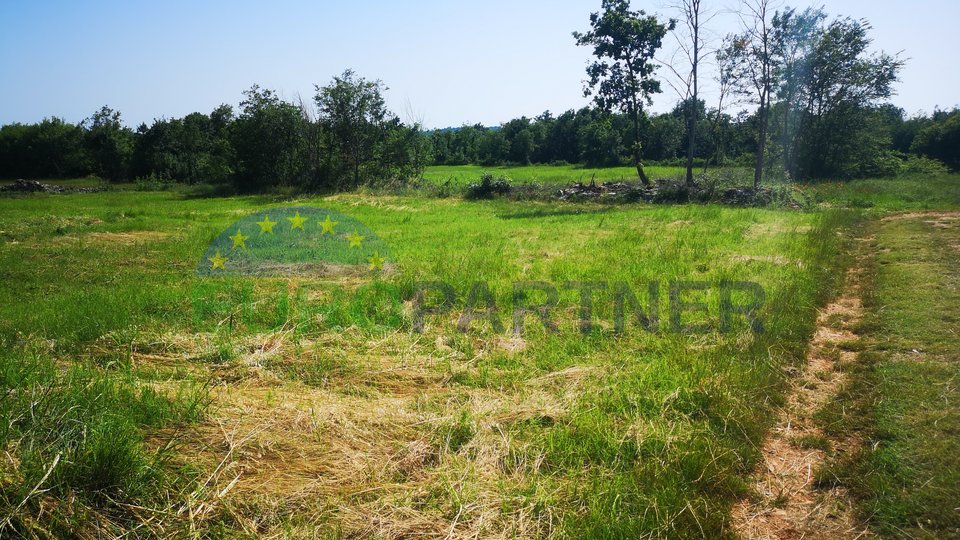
(32, 186)
(666, 191)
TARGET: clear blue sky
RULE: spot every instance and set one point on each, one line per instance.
(447, 63)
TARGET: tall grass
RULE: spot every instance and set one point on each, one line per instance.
(571, 435)
(902, 399)
(76, 433)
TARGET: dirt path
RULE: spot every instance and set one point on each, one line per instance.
(790, 505)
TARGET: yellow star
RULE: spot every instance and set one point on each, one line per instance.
(266, 225)
(376, 262)
(355, 239)
(328, 225)
(296, 222)
(217, 261)
(239, 241)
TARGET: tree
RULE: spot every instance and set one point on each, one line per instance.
(624, 43)
(726, 81)
(940, 140)
(52, 148)
(270, 141)
(665, 136)
(193, 149)
(903, 130)
(691, 42)
(842, 133)
(520, 138)
(354, 111)
(601, 142)
(794, 35)
(751, 56)
(110, 143)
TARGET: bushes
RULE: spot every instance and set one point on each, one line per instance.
(912, 164)
(488, 187)
(890, 163)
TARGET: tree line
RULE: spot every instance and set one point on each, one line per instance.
(818, 97)
(820, 93)
(590, 138)
(346, 138)
(587, 136)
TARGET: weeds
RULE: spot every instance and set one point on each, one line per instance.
(901, 402)
(330, 413)
(79, 433)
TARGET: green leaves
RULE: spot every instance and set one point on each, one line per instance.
(624, 43)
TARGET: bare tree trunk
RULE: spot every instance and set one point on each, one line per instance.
(761, 146)
(787, 103)
(691, 138)
(763, 82)
(691, 134)
(693, 14)
(636, 147)
(715, 132)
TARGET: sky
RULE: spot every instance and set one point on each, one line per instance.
(446, 63)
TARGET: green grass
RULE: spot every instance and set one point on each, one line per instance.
(464, 175)
(76, 433)
(889, 194)
(335, 411)
(905, 400)
(875, 194)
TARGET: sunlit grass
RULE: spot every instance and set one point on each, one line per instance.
(463, 175)
(903, 399)
(326, 400)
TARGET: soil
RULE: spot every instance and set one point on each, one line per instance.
(787, 503)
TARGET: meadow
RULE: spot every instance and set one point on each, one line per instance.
(903, 395)
(141, 396)
(463, 175)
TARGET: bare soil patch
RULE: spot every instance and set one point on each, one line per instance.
(787, 503)
(128, 238)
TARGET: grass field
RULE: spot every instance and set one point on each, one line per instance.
(158, 400)
(464, 175)
(904, 397)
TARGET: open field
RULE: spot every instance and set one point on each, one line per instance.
(903, 399)
(463, 175)
(359, 297)
(183, 405)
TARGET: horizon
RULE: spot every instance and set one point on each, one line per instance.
(194, 58)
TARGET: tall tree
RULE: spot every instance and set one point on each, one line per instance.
(690, 39)
(624, 43)
(110, 143)
(751, 52)
(269, 140)
(725, 78)
(940, 139)
(845, 81)
(353, 109)
(794, 35)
